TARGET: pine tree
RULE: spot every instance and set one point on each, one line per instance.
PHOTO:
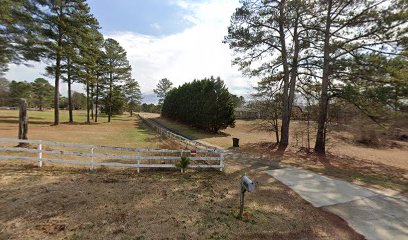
(90, 52)
(42, 93)
(344, 31)
(19, 39)
(269, 38)
(117, 69)
(58, 20)
(205, 104)
(133, 94)
(162, 88)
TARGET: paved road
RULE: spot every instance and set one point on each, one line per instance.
(373, 214)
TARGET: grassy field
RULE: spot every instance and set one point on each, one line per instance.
(384, 166)
(123, 130)
(55, 202)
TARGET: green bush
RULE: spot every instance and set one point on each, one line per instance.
(205, 104)
(183, 164)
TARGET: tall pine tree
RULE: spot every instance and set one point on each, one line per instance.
(117, 69)
(133, 94)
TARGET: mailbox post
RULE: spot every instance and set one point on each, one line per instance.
(246, 185)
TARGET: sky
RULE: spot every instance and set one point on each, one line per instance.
(180, 40)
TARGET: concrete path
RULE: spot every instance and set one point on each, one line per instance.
(370, 213)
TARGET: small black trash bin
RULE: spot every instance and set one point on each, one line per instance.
(235, 142)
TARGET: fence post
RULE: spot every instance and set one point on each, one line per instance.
(221, 161)
(23, 123)
(40, 155)
(92, 159)
(138, 160)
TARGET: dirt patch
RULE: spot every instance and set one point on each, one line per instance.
(53, 204)
(51, 228)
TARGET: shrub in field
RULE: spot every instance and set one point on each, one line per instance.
(183, 164)
(205, 104)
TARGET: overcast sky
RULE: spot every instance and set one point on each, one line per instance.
(176, 39)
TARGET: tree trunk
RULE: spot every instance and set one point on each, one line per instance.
(110, 97)
(87, 101)
(308, 125)
(23, 122)
(92, 105)
(285, 114)
(96, 99)
(56, 92)
(293, 76)
(276, 123)
(320, 146)
(71, 118)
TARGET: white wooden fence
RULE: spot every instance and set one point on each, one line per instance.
(166, 133)
(213, 158)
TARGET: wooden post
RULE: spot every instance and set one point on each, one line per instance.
(241, 201)
(92, 160)
(40, 155)
(23, 122)
(138, 160)
(221, 161)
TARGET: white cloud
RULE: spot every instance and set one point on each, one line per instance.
(195, 53)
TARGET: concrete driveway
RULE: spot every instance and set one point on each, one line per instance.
(373, 214)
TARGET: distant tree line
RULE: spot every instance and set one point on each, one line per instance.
(205, 104)
(65, 35)
(39, 94)
(327, 51)
(151, 108)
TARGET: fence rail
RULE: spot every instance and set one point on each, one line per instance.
(165, 132)
(141, 155)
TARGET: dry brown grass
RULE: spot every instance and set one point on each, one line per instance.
(71, 204)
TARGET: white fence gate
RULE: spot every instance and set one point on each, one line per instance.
(138, 157)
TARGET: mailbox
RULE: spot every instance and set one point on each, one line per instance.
(247, 184)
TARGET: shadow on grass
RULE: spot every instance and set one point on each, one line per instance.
(14, 117)
(80, 123)
(9, 121)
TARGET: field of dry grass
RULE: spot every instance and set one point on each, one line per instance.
(57, 202)
(71, 204)
(381, 166)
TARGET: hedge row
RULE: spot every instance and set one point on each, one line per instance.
(205, 104)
